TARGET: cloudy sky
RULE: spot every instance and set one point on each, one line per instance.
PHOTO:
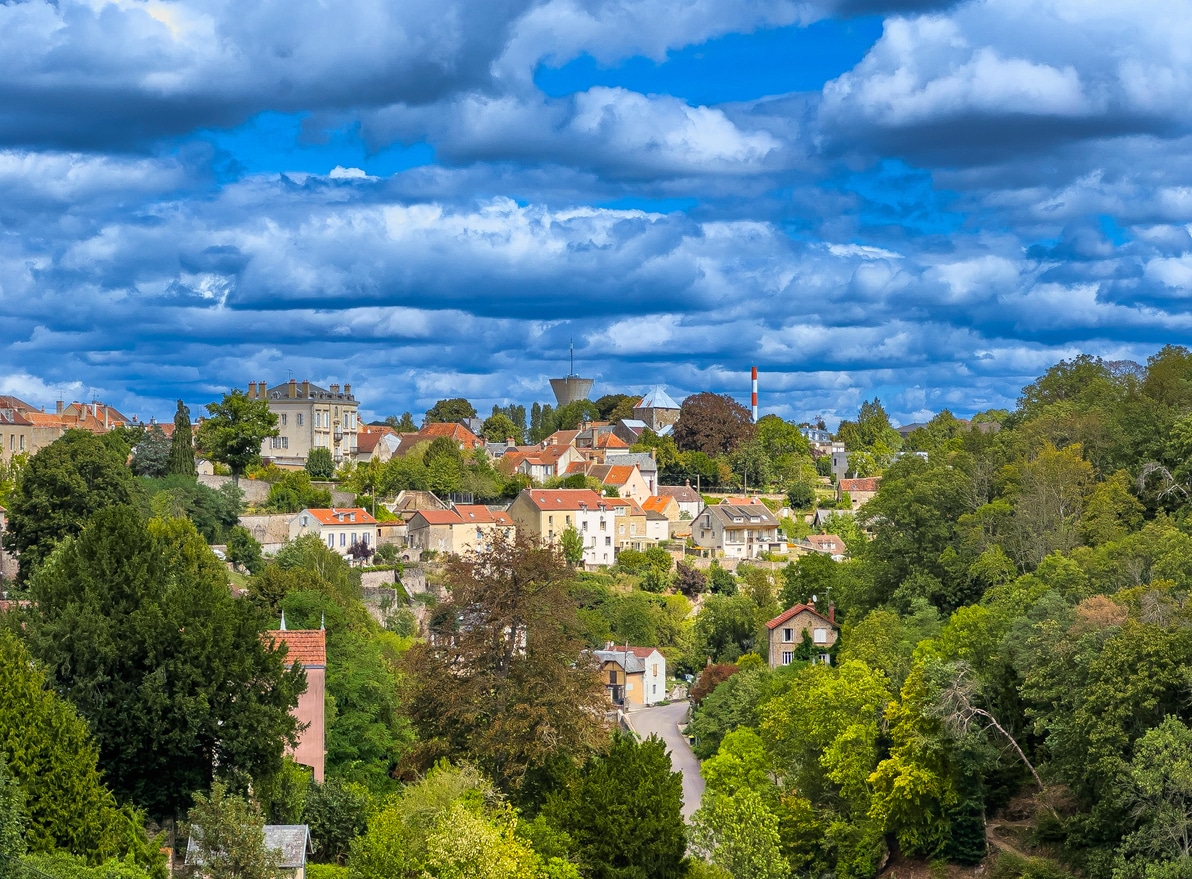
(927, 201)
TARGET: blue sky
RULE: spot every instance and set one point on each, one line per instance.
(927, 201)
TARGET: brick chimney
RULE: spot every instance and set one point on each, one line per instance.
(347, 390)
(292, 391)
(831, 612)
(305, 389)
(335, 389)
(58, 407)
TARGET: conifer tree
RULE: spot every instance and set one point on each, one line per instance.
(182, 446)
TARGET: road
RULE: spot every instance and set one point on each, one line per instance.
(664, 721)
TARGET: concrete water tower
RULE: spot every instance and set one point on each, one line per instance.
(571, 387)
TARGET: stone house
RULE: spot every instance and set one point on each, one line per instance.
(738, 530)
(785, 634)
(308, 417)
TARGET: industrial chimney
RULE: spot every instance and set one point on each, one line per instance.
(755, 395)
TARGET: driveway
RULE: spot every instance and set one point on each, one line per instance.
(664, 721)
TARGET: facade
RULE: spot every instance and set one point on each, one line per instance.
(859, 490)
(546, 514)
(785, 634)
(627, 479)
(308, 417)
(308, 648)
(828, 544)
(376, 444)
(687, 498)
(656, 410)
(339, 528)
(463, 528)
(740, 531)
(633, 677)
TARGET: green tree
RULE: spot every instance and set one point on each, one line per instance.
(294, 492)
(450, 411)
(499, 427)
(137, 627)
(233, 433)
(151, 456)
(244, 550)
(64, 484)
(1160, 788)
(229, 836)
(624, 812)
(10, 474)
(319, 464)
(337, 813)
(572, 545)
(506, 679)
(12, 823)
(739, 834)
(182, 444)
(405, 424)
(714, 424)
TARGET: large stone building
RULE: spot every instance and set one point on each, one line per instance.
(657, 410)
(308, 417)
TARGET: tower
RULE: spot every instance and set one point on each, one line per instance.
(571, 387)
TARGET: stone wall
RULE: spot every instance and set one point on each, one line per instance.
(255, 491)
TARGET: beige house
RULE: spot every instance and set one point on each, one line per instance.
(627, 479)
(738, 530)
(546, 514)
(785, 634)
(376, 443)
(859, 490)
(338, 528)
(463, 528)
(308, 417)
(687, 498)
(634, 677)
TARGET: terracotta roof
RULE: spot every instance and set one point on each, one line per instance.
(439, 517)
(619, 474)
(457, 432)
(341, 516)
(482, 514)
(367, 439)
(560, 438)
(656, 504)
(792, 612)
(609, 441)
(828, 543)
(8, 401)
(14, 417)
(44, 419)
(305, 646)
(868, 484)
(564, 499)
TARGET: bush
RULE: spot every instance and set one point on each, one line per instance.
(710, 678)
(721, 581)
(319, 464)
(294, 492)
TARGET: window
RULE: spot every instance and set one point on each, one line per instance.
(602, 524)
(821, 636)
(343, 538)
(788, 635)
(353, 539)
(318, 419)
(22, 442)
(305, 521)
(583, 526)
(331, 540)
(283, 419)
(825, 658)
(655, 689)
(787, 657)
(550, 520)
(608, 541)
(299, 419)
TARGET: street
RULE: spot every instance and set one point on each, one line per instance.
(663, 721)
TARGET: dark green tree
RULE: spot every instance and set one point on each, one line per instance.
(405, 424)
(136, 625)
(229, 836)
(499, 427)
(337, 813)
(182, 444)
(572, 545)
(64, 484)
(244, 550)
(319, 464)
(450, 411)
(714, 424)
(233, 433)
(624, 812)
(12, 823)
(151, 456)
(614, 407)
(294, 492)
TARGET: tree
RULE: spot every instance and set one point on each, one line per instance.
(739, 834)
(498, 428)
(229, 835)
(714, 424)
(182, 444)
(136, 625)
(233, 433)
(244, 550)
(151, 456)
(294, 492)
(614, 407)
(450, 411)
(405, 424)
(337, 813)
(689, 580)
(12, 823)
(572, 545)
(506, 679)
(1160, 788)
(64, 484)
(624, 812)
(721, 580)
(319, 464)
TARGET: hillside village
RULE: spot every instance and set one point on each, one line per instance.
(793, 651)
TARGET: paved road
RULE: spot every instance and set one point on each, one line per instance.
(664, 720)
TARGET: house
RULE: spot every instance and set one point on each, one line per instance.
(541, 464)
(656, 410)
(376, 443)
(860, 490)
(823, 518)
(16, 434)
(308, 648)
(339, 528)
(785, 634)
(633, 676)
(828, 544)
(546, 514)
(292, 841)
(741, 531)
(463, 528)
(668, 507)
(688, 499)
(625, 478)
(645, 461)
(308, 417)
(27, 429)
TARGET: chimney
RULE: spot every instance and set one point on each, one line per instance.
(58, 407)
(335, 389)
(305, 389)
(754, 377)
(252, 390)
(292, 391)
(347, 390)
(95, 409)
(831, 612)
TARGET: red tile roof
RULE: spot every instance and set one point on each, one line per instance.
(564, 499)
(789, 613)
(657, 504)
(367, 439)
(341, 516)
(457, 432)
(851, 485)
(305, 646)
(609, 441)
(439, 517)
(482, 514)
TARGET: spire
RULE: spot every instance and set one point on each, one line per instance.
(283, 620)
(323, 621)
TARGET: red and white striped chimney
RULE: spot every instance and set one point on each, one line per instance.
(755, 395)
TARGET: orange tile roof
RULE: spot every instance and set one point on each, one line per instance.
(657, 504)
(789, 613)
(439, 517)
(340, 516)
(619, 474)
(610, 441)
(367, 439)
(564, 499)
(867, 484)
(44, 419)
(305, 646)
(482, 514)
(457, 432)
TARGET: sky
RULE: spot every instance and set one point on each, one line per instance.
(923, 201)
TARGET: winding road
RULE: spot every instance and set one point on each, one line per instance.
(664, 721)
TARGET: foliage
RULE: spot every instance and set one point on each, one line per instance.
(494, 699)
(739, 834)
(572, 545)
(62, 865)
(689, 580)
(182, 444)
(294, 492)
(337, 812)
(710, 678)
(229, 837)
(13, 821)
(63, 485)
(405, 424)
(135, 623)
(244, 550)
(450, 411)
(623, 811)
(498, 428)
(214, 512)
(151, 456)
(234, 431)
(319, 464)
(713, 424)
(10, 474)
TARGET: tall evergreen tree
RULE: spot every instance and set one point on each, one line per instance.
(182, 444)
(12, 823)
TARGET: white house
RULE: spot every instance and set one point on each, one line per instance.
(339, 528)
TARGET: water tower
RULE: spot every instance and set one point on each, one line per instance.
(571, 387)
